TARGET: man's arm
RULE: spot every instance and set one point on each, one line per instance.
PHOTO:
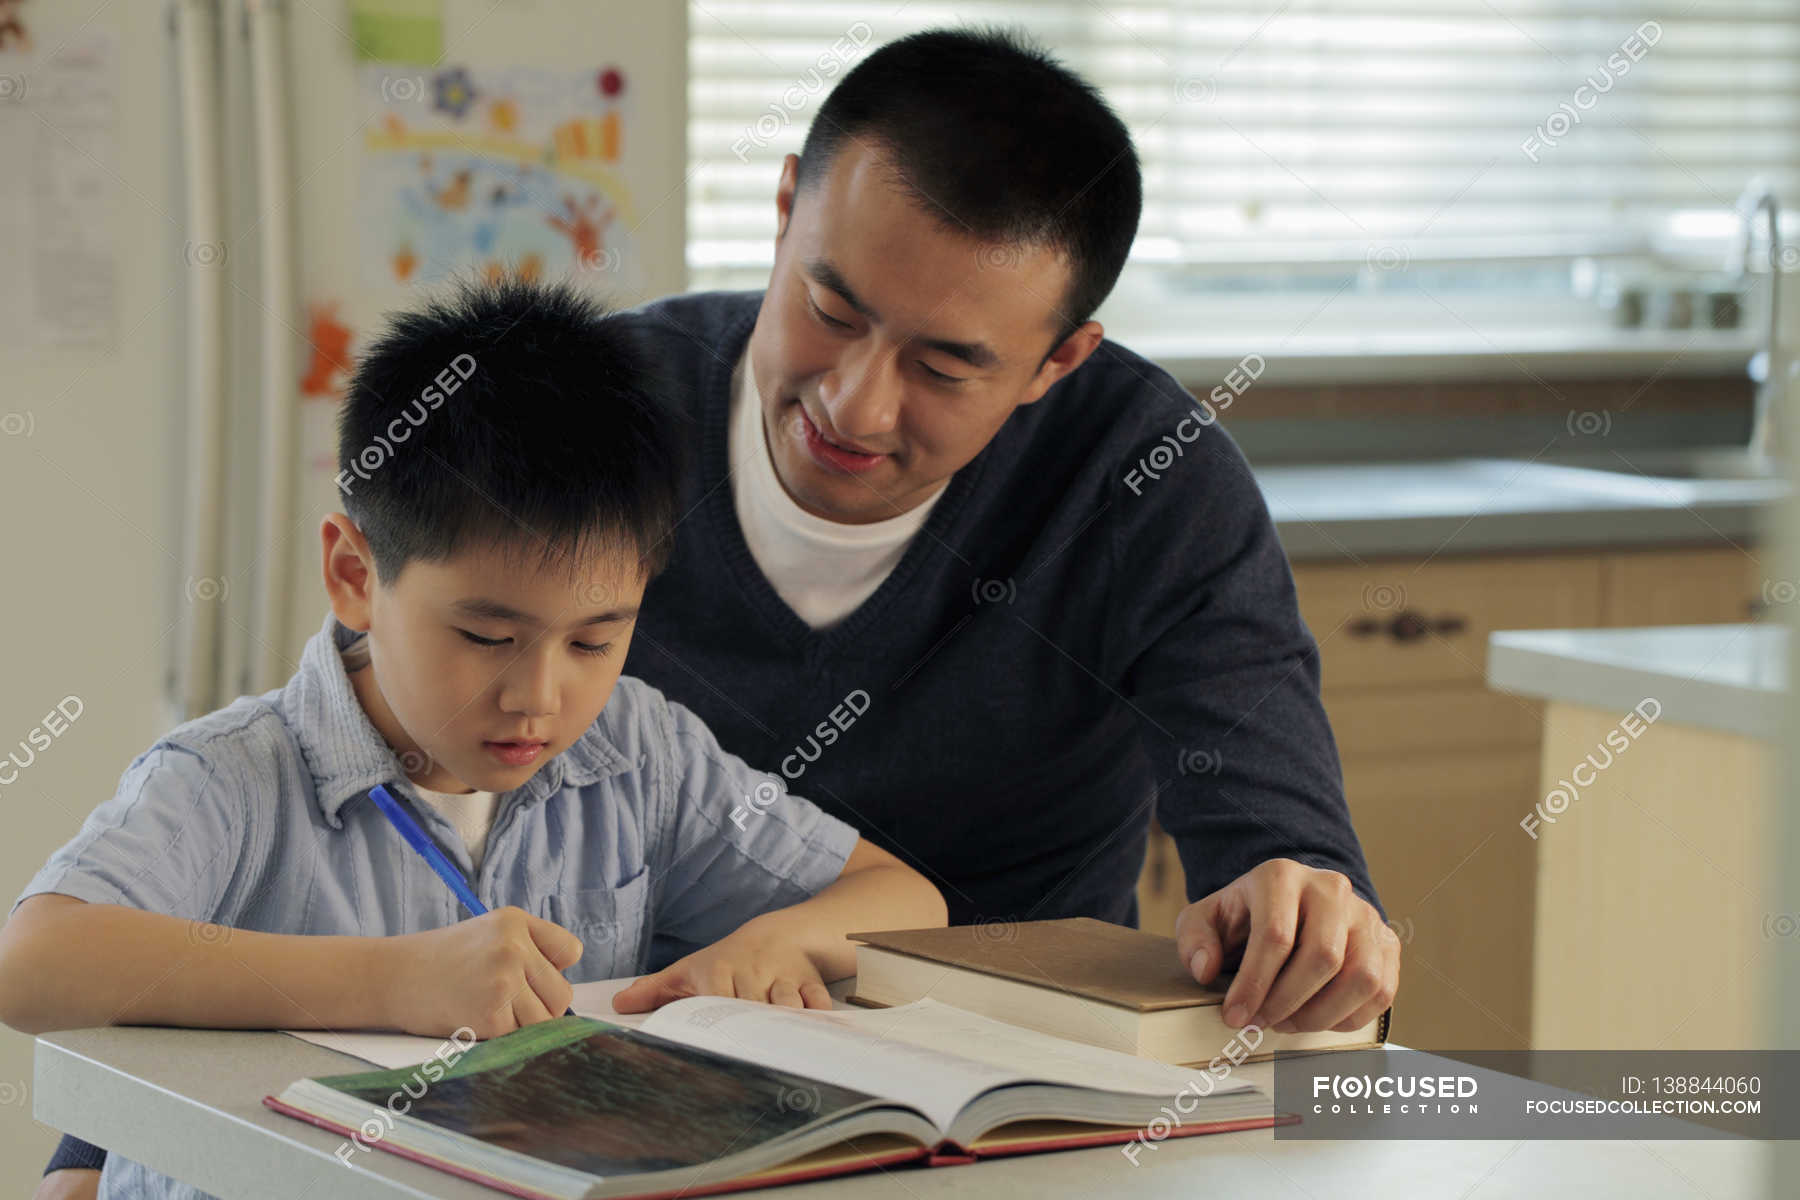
(68, 964)
(1213, 655)
(788, 955)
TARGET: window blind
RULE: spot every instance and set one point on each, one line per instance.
(1318, 130)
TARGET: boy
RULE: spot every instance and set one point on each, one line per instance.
(509, 481)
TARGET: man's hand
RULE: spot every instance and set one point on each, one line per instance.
(747, 964)
(1311, 953)
(493, 973)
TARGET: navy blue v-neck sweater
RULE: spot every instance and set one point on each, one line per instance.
(1058, 654)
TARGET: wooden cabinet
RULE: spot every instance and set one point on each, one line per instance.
(1438, 769)
(1689, 587)
(1649, 889)
(1402, 623)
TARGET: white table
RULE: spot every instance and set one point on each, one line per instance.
(189, 1103)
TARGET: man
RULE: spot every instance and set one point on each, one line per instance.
(983, 584)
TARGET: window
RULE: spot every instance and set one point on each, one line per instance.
(1496, 148)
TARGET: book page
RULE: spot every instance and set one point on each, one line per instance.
(592, 999)
(832, 1048)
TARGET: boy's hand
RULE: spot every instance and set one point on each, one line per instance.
(747, 964)
(70, 1183)
(493, 974)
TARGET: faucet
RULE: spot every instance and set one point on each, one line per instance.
(1759, 198)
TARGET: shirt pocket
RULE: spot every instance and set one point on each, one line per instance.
(610, 923)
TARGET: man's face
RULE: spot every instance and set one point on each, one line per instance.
(485, 667)
(890, 348)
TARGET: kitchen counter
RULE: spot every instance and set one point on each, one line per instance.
(1730, 678)
(1478, 505)
(1651, 828)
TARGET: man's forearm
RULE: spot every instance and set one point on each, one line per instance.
(878, 897)
(73, 965)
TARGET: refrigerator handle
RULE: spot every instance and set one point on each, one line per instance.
(203, 524)
(269, 665)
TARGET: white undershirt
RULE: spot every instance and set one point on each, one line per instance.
(471, 814)
(821, 569)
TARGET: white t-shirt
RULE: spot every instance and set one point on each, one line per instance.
(821, 569)
(470, 813)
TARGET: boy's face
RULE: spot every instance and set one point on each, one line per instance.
(486, 666)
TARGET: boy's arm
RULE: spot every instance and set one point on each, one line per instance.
(68, 964)
(129, 923)
(787, 955)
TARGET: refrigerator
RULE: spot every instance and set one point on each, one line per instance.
(206, 206)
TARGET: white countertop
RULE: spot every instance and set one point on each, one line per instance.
(1482, 505)
(1731, 678)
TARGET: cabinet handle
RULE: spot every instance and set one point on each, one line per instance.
(1407, 626)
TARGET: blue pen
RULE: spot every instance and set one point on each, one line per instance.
(419, 840)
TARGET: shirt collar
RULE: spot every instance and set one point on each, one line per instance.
(347, 754)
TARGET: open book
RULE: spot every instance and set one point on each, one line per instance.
(713, 1094)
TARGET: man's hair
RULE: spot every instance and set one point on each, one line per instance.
(521, 416)
(998, 140)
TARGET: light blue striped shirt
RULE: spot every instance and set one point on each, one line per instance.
(645, 839)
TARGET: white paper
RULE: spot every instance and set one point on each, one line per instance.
(404, 1050)
(59, 164)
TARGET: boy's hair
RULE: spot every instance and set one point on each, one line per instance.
(997, 139)
(524, 416)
